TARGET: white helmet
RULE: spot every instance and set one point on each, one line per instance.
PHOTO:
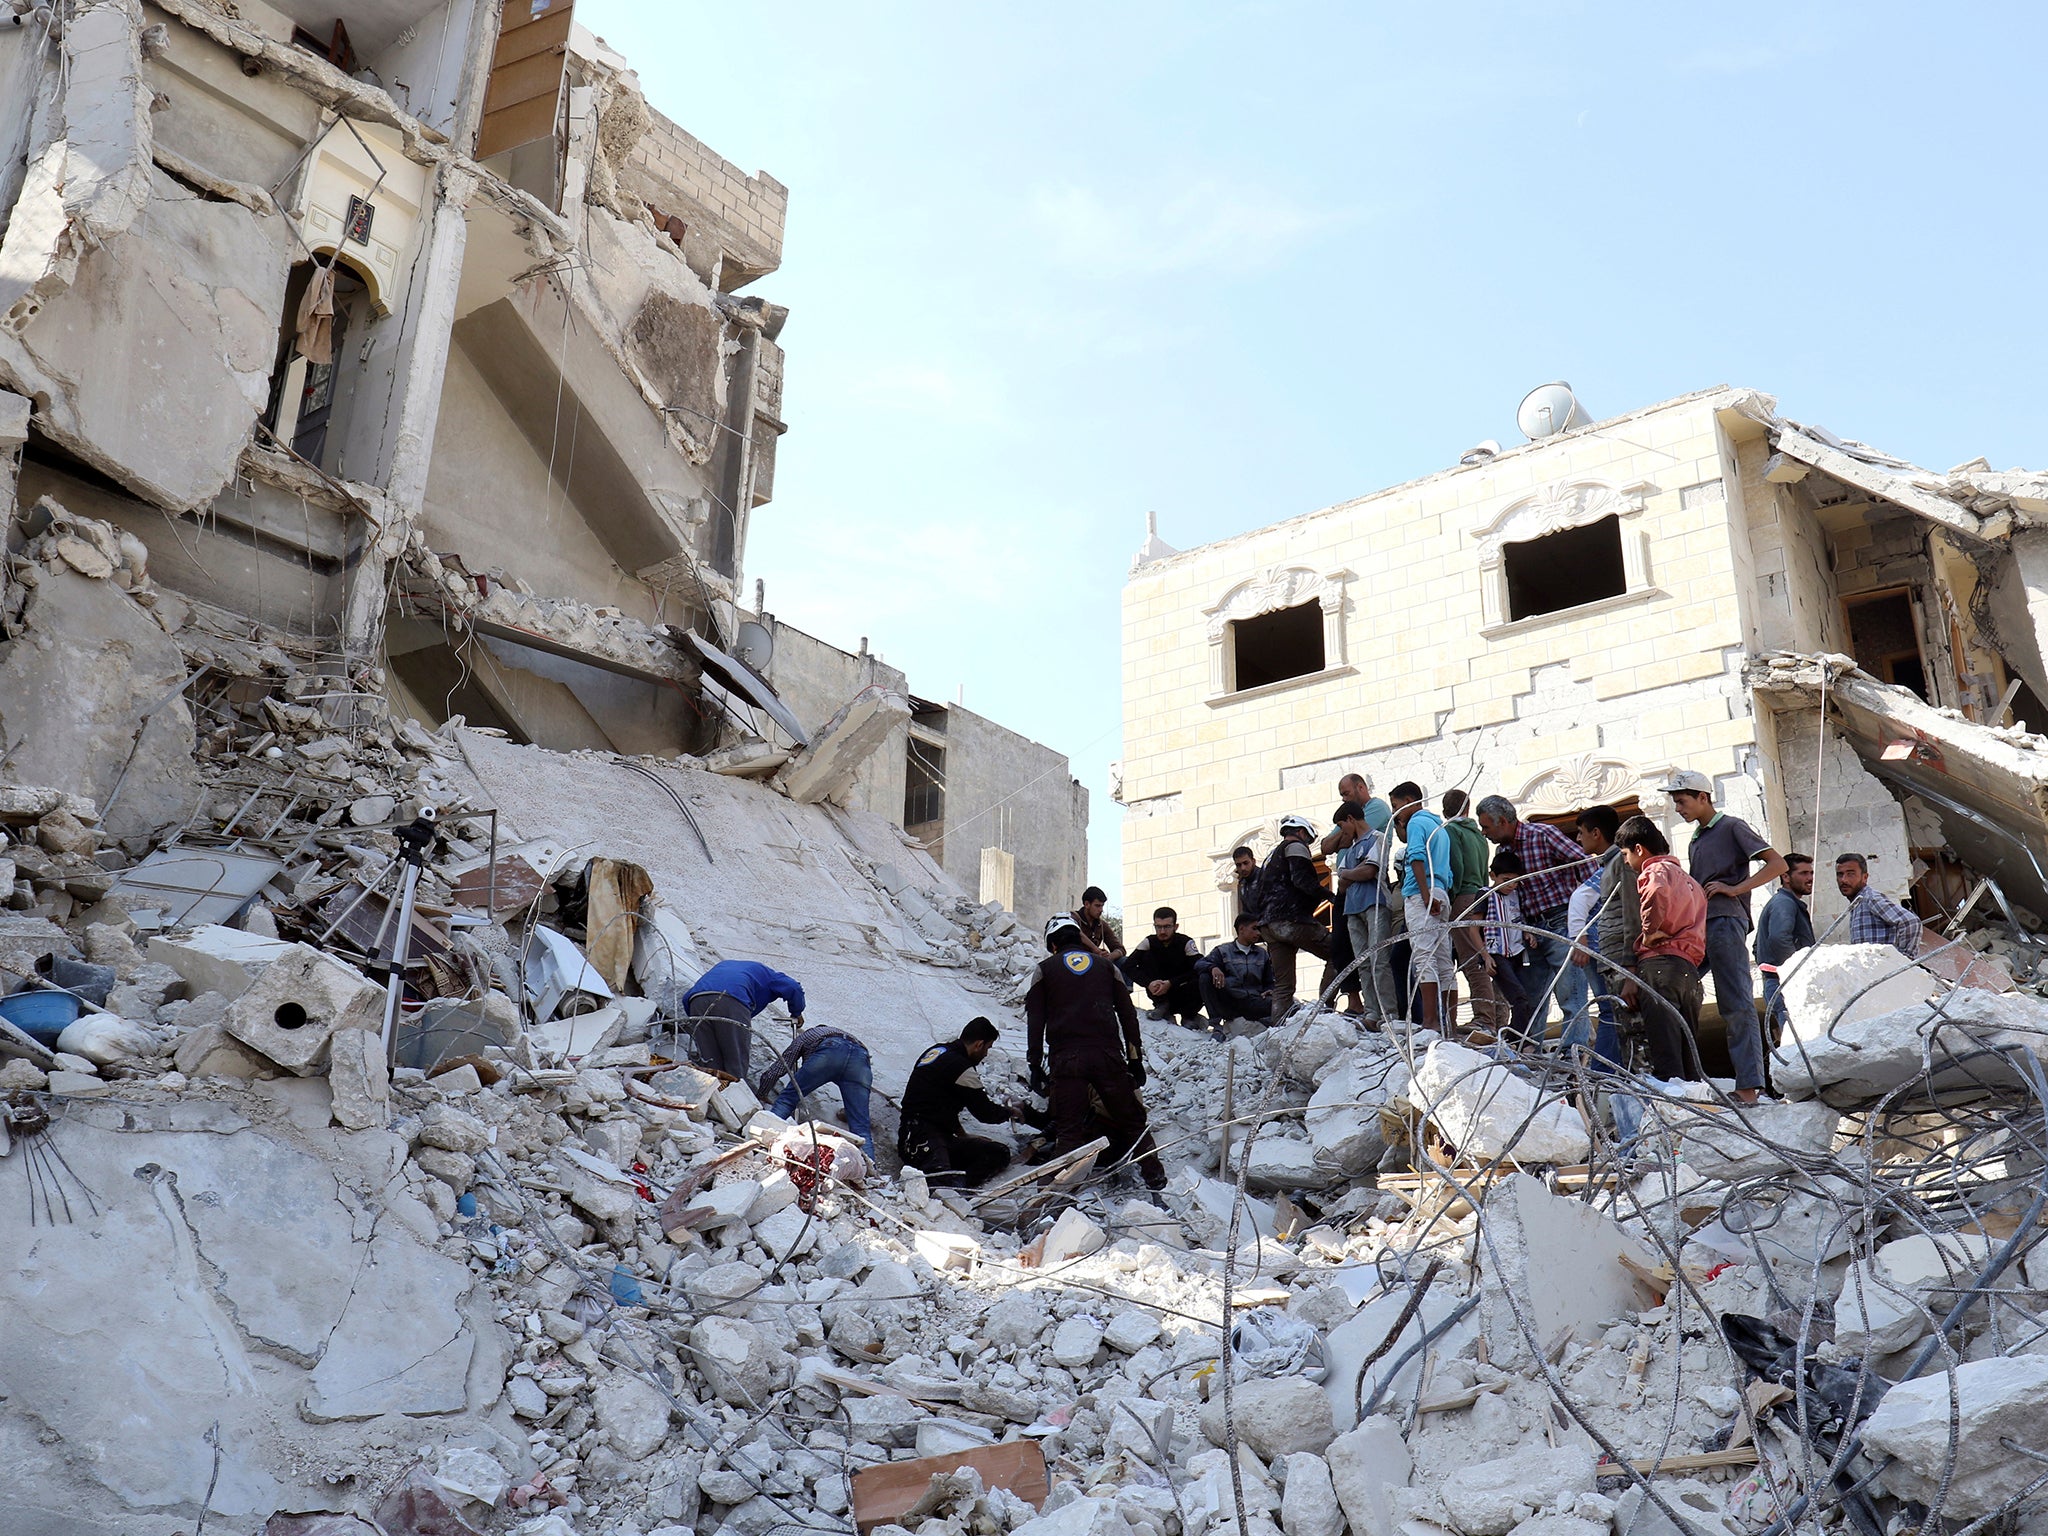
(1058, 921)
(1296, 824)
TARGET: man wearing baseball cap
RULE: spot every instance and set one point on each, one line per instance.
(1720, 857)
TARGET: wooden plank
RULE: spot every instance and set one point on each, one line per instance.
(884, 1493)
(1043, 1170)
(515, 126)
(515, 42)
(1738, 1456)
(540, 75)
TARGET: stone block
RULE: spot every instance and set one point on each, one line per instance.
(1072, 1237)
(210, 1051)
(1308, 1504)
(1963, 1034)
(1275, 1416)
(1493, 1497)
(359, 1079)
(1364, 1465)
(1995, 1399)
(216, 959)
(1743, 1146)
(742, 1365)
(1486, 1111)
(632, 1413)
(291, 1011)
(1076, 1344)
(1560, 1262)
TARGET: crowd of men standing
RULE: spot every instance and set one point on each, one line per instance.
(1413, 911)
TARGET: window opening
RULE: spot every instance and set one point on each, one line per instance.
(1886, 641)
(1566, 569)
(924, 785)
(1276, 646)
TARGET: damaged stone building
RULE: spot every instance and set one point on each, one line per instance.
(410, 333)
(1565, 621)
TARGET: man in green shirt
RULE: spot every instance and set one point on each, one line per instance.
(1470, 856)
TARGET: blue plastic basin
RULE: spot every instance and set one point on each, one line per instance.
(42, 1015)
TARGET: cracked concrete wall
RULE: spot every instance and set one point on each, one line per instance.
(153, 364)
(489, 493)
(1823, 777)
(256, 550)
(240, 1265)
(814, 678)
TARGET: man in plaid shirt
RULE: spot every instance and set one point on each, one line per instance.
(1874, 918)
(1555, 866)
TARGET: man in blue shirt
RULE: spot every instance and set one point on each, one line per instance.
(1426, 898)
(720, 1010)
(1783, 929)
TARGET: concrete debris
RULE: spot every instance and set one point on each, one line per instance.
(1486, 1111)
(1964, 1450)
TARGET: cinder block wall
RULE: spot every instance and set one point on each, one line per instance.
(752, 208)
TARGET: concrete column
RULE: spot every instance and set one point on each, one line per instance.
(417, 412)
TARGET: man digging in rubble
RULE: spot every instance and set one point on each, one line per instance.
(721, 1007)
(1163, 963)
(1874, 918)
(1289, 893)
(943, 1085)
(1078, 1014)
(1722, 850)
(817, 1056)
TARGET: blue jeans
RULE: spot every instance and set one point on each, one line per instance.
(1735, 995)
(841, 1061)
(1575, 997)
(1546, 957)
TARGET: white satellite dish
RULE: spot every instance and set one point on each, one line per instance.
(754, 645)
(1547, 411)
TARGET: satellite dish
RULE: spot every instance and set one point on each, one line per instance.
(754, 645)
(1547, 411)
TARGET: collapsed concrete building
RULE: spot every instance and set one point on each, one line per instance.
(414, 334)
(1609, 602)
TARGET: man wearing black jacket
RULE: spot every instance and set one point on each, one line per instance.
(1080, 1021)
(1289, 893)
(942, 1085)
(1163, 963)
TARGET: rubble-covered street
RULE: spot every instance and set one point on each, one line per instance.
(542, 1278)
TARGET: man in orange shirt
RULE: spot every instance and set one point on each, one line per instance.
(1669, 952)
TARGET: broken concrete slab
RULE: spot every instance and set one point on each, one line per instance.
(101, 682)
(216, 959)
(1486, 1110)
(827, 768)
(1834, 984)
(204, 281)
(1347, 1347)
(1493, 1497)
(1754, 1143)
(1555, 1265)
(1994, 1400)
(292, 1010)
(246, 1267)
(1961, 1040)
(1365, 1465)
(361, 1082)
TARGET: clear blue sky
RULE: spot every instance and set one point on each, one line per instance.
(1053, 266)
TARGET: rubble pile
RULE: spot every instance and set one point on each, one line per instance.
(540, 1277)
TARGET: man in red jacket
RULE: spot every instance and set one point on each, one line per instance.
(1669, 952)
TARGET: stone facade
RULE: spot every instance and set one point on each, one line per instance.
(1426, 672)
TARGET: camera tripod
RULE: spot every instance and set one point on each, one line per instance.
(403, 869)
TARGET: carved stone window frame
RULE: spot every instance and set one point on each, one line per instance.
(1272, 589)
(1554, 508)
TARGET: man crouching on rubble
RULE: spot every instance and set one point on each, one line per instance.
(1080, 1011)
(942, 1086)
